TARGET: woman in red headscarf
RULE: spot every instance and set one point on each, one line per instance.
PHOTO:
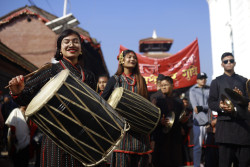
(134, 148)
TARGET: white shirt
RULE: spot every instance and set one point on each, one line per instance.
(17, 119)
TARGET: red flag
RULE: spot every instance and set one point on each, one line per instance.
(183, 67)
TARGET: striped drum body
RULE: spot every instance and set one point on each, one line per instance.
(77, 119)
(140, 113)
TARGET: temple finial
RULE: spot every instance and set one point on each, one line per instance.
(154, 34)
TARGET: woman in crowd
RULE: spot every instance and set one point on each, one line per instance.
(134, 148)
(69, 52)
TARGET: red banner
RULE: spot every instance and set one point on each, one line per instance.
(183, 67)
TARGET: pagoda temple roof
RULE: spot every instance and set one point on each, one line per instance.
(158, 55)
(156, 40)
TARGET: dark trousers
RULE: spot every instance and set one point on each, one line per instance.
(211, 151)
(129, 160)
(21, 158)
(231, 153)
(187, 155)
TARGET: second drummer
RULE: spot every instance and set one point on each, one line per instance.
(134, 148)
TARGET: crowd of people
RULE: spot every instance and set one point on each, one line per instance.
(200, 128)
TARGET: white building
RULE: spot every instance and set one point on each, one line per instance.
(230, 32)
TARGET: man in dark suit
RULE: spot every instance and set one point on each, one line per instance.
(232, 130)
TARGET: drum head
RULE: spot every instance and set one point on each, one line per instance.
(46, 92)
(115, 97)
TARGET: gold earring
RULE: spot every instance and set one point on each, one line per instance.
(81, 53)
(61, 53)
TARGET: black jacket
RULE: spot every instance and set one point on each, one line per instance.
(37, 81)
(230, 129)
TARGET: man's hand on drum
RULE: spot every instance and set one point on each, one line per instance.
(16, 85)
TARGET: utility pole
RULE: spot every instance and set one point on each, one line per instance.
(66, 21)
(231, 27)
(65, 7)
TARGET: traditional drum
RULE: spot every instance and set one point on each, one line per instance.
(140, 113)
(77, 119)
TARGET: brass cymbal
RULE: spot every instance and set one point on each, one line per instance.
(171, 118)
(236, 97)
(226, 100)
